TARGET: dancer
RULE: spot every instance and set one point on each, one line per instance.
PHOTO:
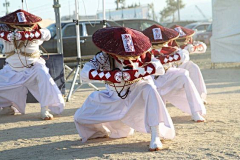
(185, 42)
(175, 86)
(25, 70)
(129, 102)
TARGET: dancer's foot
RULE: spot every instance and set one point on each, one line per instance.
(7, 111)
(197, 117)
(45, 115)
(155, 143)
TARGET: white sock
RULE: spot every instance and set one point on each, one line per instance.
(45, 113)
(155, 139)
(196, 116)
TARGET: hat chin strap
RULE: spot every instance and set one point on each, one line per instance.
(159, 45)
(24, 28)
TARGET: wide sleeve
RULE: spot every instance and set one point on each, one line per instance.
(158, 66)
(96, 63)
(98, 68)
(45, 34)
(184, 54)
(85, 71)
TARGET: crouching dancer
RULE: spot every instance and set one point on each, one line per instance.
(129, 102)
(184, 42)
(25, 70)
(175, 86)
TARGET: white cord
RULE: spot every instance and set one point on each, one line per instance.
(86, 13)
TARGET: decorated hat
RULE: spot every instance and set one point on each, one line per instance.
(121, 41)
(20, 17)
(160, 34)
(183, 32)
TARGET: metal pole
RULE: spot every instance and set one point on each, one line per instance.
(78, 68)
(56, 7)
(77, 31)
(104, 14)
(22, 4)
(79, 63)
(178, 10)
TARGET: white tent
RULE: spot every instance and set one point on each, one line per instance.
(225, 41)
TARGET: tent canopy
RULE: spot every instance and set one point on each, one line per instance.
(225, 41)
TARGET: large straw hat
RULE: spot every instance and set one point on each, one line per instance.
(183, 32)
(121, 41)
(159, 34)
(20, 17)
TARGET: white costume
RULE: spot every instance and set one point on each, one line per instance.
(16, 82)
(192, 47)
(105, 113)
(176, 87)
(195, 72)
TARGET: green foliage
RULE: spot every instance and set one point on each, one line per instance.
(122, 2)
(172, 7)
(134, 5)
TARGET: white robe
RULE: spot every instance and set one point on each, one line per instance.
(176, 87)
(16, 82)
(197, 78)
(194, 71)
(105, 113)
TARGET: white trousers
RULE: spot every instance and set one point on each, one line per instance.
(197, 78)
(104, 112)
(14, 87)
(176, 87)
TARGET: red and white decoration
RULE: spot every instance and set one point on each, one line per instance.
(169, 58)
(198, 47)
(195, 47)
(20, 35)
(128, 43)
(164, 58)
(157, 34)
(21, 17)
(117, 76)
(180, 31)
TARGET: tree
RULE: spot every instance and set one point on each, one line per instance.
(172, 7)
(134, 5)
(122, 2)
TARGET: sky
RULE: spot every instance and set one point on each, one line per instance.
(91, 7)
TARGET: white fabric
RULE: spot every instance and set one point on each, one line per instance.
(32, 47)
(184, 54)
(45, 113)
(104, 112)
(155, 142)
(176, 87)
(16, 82)
(14, 87)
(225, 40)
(197, 78)
(196, 47)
